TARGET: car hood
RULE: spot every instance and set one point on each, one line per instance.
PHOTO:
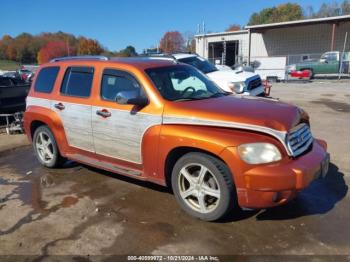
(231, 75)
(234, 110)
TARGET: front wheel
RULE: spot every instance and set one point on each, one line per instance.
(45, 147)
(203, 186)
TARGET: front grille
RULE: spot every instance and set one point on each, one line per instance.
(299, 139)
(254, 83)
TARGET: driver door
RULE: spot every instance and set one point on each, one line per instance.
(330, 63)
(117, 129)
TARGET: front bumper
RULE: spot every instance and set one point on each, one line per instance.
(275, 184)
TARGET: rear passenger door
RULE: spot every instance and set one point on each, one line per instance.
(74, 106)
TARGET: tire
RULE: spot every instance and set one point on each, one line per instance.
(44, 140)
(191, 188)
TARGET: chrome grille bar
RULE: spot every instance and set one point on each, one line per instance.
(299, 139)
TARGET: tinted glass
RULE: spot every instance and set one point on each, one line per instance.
(177, 83)
(199, 63)
(115, 81)
(5, 82)
(332, 57)
(46, 79)
(77, 81)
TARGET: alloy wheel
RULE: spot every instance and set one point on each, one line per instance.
(199, 188)
(44, 147)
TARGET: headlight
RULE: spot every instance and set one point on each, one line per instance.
(237, 87)
(259, 153)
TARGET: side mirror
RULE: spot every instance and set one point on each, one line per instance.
(131, 97)
(323, 60)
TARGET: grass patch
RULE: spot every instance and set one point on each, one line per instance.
(9, 65)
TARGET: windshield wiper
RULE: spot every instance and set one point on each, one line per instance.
(219, 94)
(185, 99)
(191, 98)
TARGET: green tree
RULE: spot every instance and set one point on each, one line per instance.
(345, 7)
(22, 43)
(4, 43)
(328, 9)
(282, 13)
(89, 47)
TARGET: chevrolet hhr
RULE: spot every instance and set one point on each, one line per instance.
(167, 123)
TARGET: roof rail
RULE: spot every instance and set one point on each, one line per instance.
(161, 55)
(82, 57)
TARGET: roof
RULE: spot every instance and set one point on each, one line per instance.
(183, 55)
(300, 22)
(140, 62)
(223, 33)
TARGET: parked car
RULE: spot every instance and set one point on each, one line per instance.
(167, 123)
(24, 73)
(13, 93)
(13, 75)
(27, 72)
(237, 81)
(329, 63)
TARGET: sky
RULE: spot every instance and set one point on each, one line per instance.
(116, 24)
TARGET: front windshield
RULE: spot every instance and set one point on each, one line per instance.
(199, 63)
(181, 82)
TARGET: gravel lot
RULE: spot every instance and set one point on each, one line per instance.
(79, 210)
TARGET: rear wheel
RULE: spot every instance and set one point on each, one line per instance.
(203, 186)
(45, 147)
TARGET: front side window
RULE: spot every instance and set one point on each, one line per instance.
(115, 81)
(46, 79)
(176, 83)
(330, 56)
(77, 81)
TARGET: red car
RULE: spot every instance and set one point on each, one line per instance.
(304, 74)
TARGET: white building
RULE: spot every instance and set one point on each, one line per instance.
(290, 42)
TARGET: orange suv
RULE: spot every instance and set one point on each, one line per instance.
(166, 122)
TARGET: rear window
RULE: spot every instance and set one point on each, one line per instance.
(77, 81)
(46, 79)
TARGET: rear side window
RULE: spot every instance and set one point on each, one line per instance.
(77, 81)
(46, 79)
(115, 81)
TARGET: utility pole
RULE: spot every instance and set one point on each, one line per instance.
(67, 45)
(342, 56)
(203, 39)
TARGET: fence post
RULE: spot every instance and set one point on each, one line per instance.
(341, 56)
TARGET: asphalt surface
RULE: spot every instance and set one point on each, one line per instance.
(78, 210)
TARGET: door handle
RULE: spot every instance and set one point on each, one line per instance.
(60, 106)
(104, 113)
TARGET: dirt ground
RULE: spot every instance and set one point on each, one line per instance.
(78, 210)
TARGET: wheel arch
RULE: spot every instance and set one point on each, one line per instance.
(176, 153)
(34, 125)
(37, 116)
